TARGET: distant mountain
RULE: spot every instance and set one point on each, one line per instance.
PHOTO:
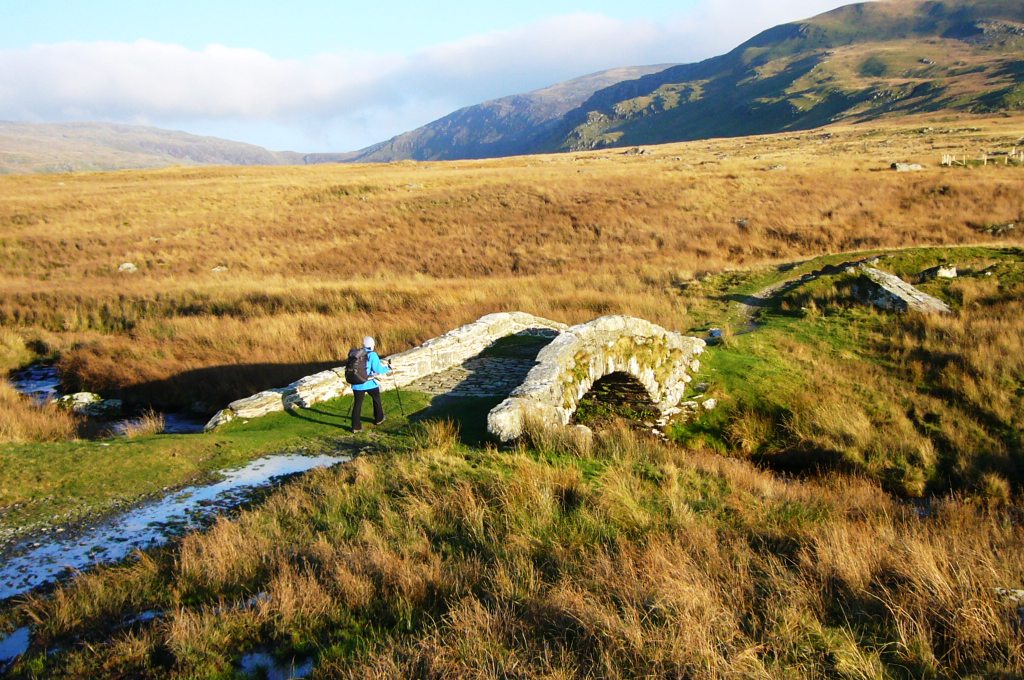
(65, 147)
(856, 63)
(859, 62)
(500, 127)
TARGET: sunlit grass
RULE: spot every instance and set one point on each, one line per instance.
(625, 558)
(309, 259)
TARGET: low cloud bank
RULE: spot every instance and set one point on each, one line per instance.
(347, 100)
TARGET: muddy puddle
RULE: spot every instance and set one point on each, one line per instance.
(33, 564)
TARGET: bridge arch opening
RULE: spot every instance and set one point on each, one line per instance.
(616, 396)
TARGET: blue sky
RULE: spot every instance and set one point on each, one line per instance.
(292, 29)
(333, 76)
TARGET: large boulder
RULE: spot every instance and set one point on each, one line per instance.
(942, 271)
(890, 292)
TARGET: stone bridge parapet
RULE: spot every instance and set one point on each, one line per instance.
(660, 360)
(433, 356)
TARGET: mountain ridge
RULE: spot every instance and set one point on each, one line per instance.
(900, 56)
(497, 121)
(97, 146)
(856, 63)
(893, 57)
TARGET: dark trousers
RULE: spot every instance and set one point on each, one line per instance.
(357, 407)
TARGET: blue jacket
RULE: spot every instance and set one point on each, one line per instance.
(374, 366)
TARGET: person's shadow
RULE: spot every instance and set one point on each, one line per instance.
(341, 418)
(339, 413)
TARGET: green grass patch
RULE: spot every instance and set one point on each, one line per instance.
(53, 483)
(825, 382)
(469, 414)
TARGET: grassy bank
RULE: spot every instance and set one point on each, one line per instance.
(44, 484)
(564, 558)
(923, 403)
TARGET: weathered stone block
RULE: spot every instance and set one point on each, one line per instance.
(269, 401)
(317, 388)
(887, 291)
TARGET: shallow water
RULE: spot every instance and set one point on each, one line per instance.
(38, 563)
(174, 423)
(14, 645)
(262, 664)
(42, 383)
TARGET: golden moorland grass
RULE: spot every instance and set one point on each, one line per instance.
(308, 259)
(616, 558)
(22, 421)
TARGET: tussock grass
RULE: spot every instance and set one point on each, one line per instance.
(149, 423)
(13, 352)
(635, 559)
(23, 421)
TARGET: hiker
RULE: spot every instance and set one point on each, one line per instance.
(374, 367)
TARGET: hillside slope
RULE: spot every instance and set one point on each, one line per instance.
(66, 147)
(858, 62)
(501, 127)
(855, 63)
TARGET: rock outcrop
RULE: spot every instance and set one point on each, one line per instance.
(658, 359)
(888, 291)
(942, 271)
(91, 405)
(435, 355)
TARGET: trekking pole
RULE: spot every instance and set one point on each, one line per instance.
(398, 393)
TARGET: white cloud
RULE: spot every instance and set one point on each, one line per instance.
(347, 100)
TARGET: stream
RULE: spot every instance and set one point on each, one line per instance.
(41, 383)
(38, 562)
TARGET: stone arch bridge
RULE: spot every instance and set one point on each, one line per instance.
(545, 387)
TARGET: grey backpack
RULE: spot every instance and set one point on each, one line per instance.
(355, 367)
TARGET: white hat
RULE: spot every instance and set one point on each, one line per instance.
(369, 342)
